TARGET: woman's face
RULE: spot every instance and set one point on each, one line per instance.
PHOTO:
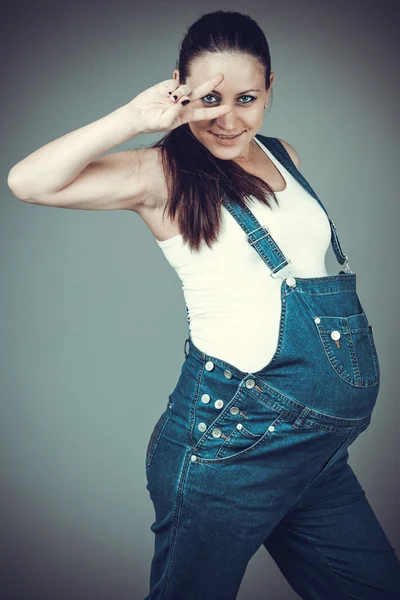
(243, 88)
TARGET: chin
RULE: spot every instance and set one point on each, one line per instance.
(226, 153)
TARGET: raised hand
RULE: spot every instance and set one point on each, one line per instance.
(156, 110)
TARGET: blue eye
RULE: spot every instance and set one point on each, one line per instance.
(252, 98)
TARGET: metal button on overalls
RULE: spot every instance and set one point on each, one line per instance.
(202, 427)
(228, 374)
(209, 365)
(218, 404)
(205, 398)
(250, 383)
(216, 433)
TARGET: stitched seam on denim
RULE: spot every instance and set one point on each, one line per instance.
(282, 149)
(336, 365)
(156, 436)
(336, 243)
(195, 400)
(339, 430)
(175, 527)
(232, 437)
(278, 254)
(258, 245)
(275, 405)
(203, 440)
(334, 575)
(333, 361)
(313, 412)
(294, 171)
(345, 277)
(323, 293)
(224, 365)
(241, 374)
(281, 154)
(281, 334)
(373, 350)
(353, 354)
(246, 433)
(242, 452)
(355, 379)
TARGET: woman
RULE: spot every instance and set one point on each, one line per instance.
(280, 373)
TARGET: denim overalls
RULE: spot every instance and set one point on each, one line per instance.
(240, 459)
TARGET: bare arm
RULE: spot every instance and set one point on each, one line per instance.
(67, 173)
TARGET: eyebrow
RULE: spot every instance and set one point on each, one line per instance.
(240, 94)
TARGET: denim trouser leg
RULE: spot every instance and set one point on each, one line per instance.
(330, 546)
(281, 479)
(314, 520)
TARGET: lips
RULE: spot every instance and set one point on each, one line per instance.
(226, 137)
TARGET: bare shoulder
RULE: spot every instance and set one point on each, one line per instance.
(292, 153)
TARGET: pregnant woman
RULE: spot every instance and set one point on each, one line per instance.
(280, 372)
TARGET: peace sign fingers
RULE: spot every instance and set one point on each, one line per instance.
(205, 88)
(207, 112)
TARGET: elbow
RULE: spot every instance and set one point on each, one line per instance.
(17, 187)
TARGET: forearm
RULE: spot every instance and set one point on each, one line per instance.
(58, 163)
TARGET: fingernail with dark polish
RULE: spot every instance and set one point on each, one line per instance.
(175, 97)
(184, 102)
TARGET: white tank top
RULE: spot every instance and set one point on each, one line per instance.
(233, 303)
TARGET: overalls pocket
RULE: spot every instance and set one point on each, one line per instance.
(350, 348)
(239, 429)
(157, 432)
(242, 439)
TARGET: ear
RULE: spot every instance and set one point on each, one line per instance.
(175, 75)
(271, 81)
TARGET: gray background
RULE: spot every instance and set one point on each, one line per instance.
(93, 321)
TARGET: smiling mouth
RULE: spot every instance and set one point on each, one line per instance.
(226, 137)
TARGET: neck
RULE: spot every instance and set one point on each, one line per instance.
(248, 157)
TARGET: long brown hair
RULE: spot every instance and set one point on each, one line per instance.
(196, 179)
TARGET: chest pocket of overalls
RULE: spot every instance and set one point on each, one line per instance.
(350, 348)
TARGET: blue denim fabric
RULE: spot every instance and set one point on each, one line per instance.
(237, 460)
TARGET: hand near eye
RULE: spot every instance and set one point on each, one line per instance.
(157, 110)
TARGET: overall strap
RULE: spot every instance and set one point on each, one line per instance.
(260, 238)
(281, 154)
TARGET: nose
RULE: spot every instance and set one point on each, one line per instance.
(228, 121)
